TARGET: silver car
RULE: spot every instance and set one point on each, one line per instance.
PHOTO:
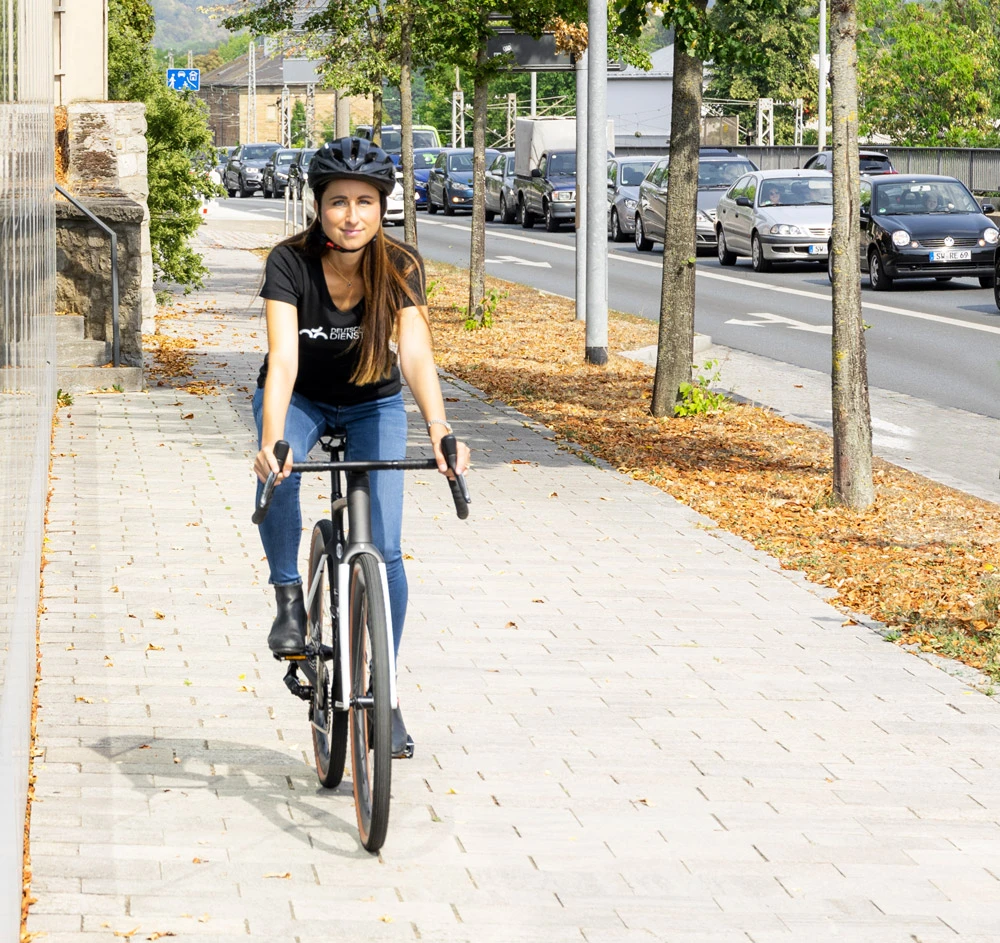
(501, 200)
(776, 216)
(624, 176)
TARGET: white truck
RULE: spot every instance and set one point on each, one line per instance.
(545, 170)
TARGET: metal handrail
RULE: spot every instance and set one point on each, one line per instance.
(115, 334)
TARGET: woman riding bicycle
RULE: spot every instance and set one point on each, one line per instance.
(336, 295)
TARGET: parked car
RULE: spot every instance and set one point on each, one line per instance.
(996, 278)
(925, 226)
(624, 176)
(871, 162)
(299, 170)
(245, 168)
(776, 216)
(718, 170)
(274, 176)
(423, 161)
(449, 183)
(222, 158)
(500, 196)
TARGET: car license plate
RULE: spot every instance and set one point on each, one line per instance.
(952, 255)
(817, 249)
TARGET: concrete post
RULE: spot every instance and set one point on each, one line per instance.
(581, 187)
(596, 196)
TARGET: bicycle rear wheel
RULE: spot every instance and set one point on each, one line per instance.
(371, 716)
(329, 727)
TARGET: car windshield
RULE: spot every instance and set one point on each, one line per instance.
(422, 159)
(913, 199)
(391, 141)
(258, 151)
(631, 175)
(462, 163)
(721, 174)
(562, 163)
(796, 191)
(306, 157)
(424, 139)
(286, 157)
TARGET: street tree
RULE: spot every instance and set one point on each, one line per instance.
(852, 431)
(784, 31)
(177, 134)
(926, 72)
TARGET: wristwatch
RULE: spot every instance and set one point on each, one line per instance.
(437, 422)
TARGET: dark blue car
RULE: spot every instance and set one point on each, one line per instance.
(449, 183)
(423, 161)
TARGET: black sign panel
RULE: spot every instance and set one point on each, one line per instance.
(529, 54)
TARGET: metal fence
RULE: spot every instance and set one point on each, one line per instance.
(977, 168)
(27, 378)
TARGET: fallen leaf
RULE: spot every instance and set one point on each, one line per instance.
(127, 934)
(197, 860)
(385, 918)
(188, 416)
(158, 614)
(84, 700)
(154, 648)
(284, 875)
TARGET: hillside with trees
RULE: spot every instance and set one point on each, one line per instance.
(181, 26)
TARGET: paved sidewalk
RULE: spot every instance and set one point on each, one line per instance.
(630, 725)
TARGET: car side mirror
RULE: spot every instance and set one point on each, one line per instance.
(743, 201)
(866, 211)
(535, 172)
(989, 208)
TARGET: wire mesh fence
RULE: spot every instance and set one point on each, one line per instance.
(27, 377)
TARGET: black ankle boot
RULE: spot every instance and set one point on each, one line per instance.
(288, 631)
(402, 742)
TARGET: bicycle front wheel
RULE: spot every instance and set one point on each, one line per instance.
(329, 726)
(371, 716)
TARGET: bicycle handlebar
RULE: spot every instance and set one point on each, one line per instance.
(459, 488)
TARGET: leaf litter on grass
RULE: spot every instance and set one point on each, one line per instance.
(924, 559)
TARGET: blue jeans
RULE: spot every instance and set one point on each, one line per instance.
(375, 430)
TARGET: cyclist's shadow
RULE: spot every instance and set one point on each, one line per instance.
(266, 779)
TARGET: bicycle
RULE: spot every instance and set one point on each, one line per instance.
(349, 659)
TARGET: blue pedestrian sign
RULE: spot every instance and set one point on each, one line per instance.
(184, 80)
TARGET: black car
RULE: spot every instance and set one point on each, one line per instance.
(924, 226)
(245, 168)
(449, 183)
(870, 162)
(274, 178)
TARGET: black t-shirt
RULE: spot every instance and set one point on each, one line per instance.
(329, 339)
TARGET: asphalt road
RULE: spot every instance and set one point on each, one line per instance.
(937, 342)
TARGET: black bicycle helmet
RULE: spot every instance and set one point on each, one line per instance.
(352, 159)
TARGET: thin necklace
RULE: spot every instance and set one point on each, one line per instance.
(349, 281)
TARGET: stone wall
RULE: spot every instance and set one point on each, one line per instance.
(106, 144)
(83, 265)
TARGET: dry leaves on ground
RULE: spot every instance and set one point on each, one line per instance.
(924, 559)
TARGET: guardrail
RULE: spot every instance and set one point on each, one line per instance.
(115, 332)
(977, 167)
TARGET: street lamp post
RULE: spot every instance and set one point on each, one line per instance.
(821, 110)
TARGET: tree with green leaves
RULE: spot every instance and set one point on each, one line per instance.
(298, 123)
(177, 133)
(785, 33)
(926, 72)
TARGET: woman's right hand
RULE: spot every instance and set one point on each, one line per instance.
(265, 463)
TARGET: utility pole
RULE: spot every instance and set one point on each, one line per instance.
(252, 92)
(310, 115)
(190, 59)
(821, 110)
(170, 60)
(597, 188)
(581, 186)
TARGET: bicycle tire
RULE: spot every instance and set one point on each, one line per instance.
(371, 730)
(330, 740)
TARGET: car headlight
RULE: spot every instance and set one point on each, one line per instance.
(703, 217)
(786, 229)
(252, 172)
(564, 196)
(991, 235)
(397, 192)
(631, 204)
(900, 238)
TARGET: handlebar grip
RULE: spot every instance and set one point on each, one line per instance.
(281, 448)
(459, 489)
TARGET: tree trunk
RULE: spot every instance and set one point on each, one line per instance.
(675, 344)
(406, 126)
(852, 426)
(377, 115)
(477, 256)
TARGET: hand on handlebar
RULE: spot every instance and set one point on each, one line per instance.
(463, 456)
(265, 464)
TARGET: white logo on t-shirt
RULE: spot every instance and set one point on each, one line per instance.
(332, 333)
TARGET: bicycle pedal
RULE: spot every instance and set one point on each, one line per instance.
(279, 657)
(407, 753)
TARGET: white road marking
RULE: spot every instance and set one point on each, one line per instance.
(745, 282)
(500, 259)
(764, 318)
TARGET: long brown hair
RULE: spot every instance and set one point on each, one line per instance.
(385, 268)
